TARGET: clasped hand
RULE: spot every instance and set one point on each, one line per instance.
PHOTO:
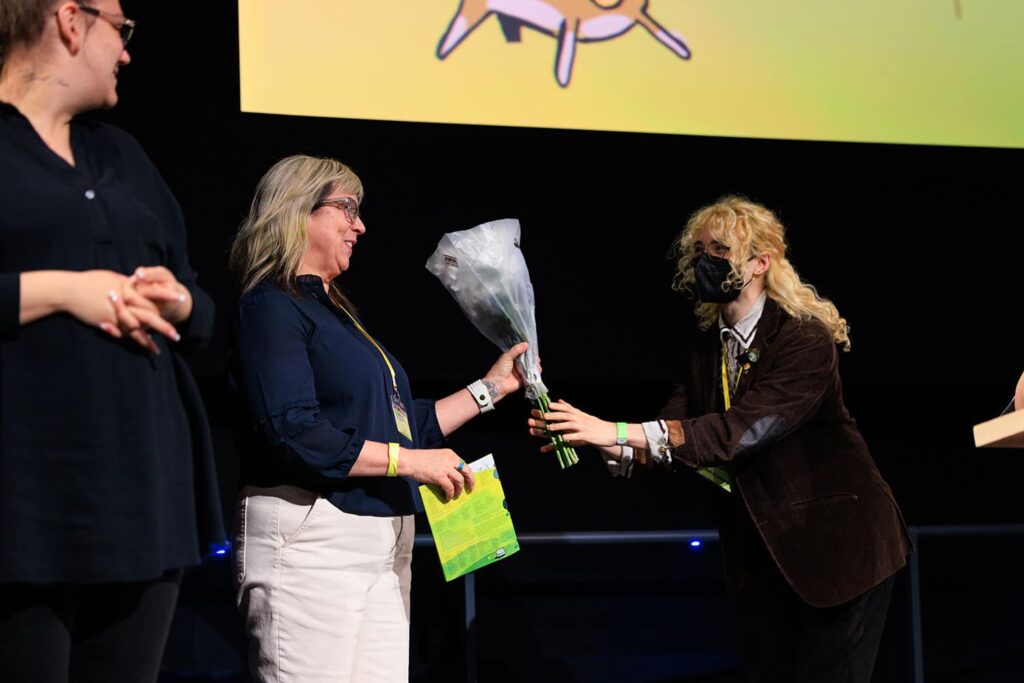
(149, 300)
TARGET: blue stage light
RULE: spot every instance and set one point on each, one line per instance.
(219, 549)
(695, 543)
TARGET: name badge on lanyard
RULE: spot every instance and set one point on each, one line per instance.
(401, 416)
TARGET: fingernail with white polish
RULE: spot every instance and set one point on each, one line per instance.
(112, 295)
(177, 337)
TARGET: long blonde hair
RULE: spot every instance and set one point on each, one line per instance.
(749, 229)
(273, 238)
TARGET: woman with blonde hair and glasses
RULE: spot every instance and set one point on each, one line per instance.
(810, 532)
(331, 441)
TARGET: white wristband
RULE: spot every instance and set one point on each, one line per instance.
(656, 432)
(478, 390)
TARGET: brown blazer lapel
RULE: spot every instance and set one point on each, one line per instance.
(767, 329)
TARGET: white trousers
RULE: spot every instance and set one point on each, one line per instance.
(324, 593)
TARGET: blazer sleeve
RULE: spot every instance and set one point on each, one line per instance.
(801, 371)
(677, 407)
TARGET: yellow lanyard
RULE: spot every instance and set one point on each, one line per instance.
(391, 368)
(725, 380)
(398, 410)
(720, 475)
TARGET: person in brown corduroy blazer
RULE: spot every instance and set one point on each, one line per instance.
(811, 534)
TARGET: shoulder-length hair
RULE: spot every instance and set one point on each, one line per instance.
(273, 238)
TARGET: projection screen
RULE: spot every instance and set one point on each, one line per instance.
(943, 72)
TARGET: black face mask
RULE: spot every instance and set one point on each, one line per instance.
(711, 272)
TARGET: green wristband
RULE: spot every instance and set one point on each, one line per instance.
(620, 434)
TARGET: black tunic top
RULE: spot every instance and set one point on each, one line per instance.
(96, 446)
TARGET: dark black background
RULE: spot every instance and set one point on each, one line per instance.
(918, 246)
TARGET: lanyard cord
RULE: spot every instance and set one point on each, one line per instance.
(725, 380)
(391, 368)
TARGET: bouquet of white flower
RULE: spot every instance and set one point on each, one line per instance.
(484, 269)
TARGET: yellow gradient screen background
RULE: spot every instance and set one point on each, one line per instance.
(943, 72)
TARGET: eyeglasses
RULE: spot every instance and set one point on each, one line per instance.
(346, 204)
(715, 248)
(122, 24)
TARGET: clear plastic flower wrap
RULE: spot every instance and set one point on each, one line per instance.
(484, 270)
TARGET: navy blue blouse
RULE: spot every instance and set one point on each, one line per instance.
(312, 390)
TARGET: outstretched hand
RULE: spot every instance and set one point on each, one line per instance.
(575, 426)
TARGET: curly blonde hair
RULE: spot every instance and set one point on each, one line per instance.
(749, 230)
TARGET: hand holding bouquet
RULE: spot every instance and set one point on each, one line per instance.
(484, 269)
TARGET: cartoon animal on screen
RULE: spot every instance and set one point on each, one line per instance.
(569, 21)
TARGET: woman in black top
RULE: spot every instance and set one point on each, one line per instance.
(99, 417)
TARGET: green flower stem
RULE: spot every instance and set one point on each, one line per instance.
(566, 454)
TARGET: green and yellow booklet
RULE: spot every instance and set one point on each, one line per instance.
(475, 529)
